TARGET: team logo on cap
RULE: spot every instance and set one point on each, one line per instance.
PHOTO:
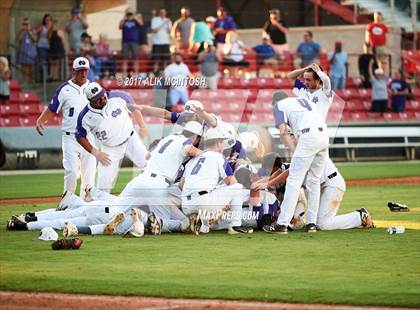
(82, 62)
(94, 90)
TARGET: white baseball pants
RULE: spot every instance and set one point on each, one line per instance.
(331, 198)
(134, 149)
(77, 162)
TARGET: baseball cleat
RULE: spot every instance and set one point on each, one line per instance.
(21, 217)
(137, 228)
(69, 230)
(112, 225)
(366, 218)
(311, 228)
(275, 229)
(15, 224)
(64, 203)
(185, 226)
(239, 230)
(153, 225)
(195, 223)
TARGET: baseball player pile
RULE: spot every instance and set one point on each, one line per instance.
(198, 178)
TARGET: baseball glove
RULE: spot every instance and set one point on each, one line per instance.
(67, 244)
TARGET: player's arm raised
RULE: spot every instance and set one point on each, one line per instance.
(152, 111)
(206, 117)
(138, 118)
(326, 82)
(295, 74)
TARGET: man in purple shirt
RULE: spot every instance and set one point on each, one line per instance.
(130, 26)
(223, 24)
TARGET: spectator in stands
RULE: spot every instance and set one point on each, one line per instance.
(276, 28)
(209, 63)
(308, 50)
(87, 50)
(181, 30)
(43, 45)
(160, 91)
(222, 26)
(399, 90)
(143, 30)
(104, 62)
(378, 79)
(27, 50)
(363, 62)
(338, 66)
(200, 35)
(75, 27)
(56, 51)
(178, 73)
(265, 52)
(130, 25)
(161, 28)
(233, 52)
(5, 76)
(376, 33)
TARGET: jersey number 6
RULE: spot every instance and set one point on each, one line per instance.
(198, 166)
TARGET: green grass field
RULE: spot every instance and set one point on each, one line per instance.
(359, 267)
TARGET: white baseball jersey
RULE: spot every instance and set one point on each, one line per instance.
(70, 100)
(298, 113)
(332, 176)
(112, 125)
(322, 97)
(204, 172)
(168, 156)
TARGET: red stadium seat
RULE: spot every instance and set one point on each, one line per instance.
(54, 121)
(391, 116)
(417, 115)
(367, 105)
(225, 83)
(365, 94)
(31, 109)
(337, 106)
(31, 97)
(15, 86)
(9, 121)
(406, 115)
(9, 109)
(263, 107)
(416, 93)
(262, 118)
(28, 121)
(412, 105)
(354, 106)
(16, 97)
(231, 117)
(359, 116)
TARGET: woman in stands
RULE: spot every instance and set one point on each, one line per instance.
(56, 51)
(5, 76)
(234, 51)
(27, 50)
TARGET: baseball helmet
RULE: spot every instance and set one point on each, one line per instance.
(192, 104)
(214, 133)
(194, 127)
(47, 234)
(94, 91)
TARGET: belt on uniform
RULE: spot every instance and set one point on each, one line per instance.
(305, 130)
(332, 175)
(201, 193)
(126, 139)
(154, 175)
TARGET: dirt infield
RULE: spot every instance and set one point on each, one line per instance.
(365, 182)
(33, 301)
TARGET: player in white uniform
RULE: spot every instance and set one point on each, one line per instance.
(308, 156)
(200, 190)
(316, 87)
(110, 121)
(70, 100)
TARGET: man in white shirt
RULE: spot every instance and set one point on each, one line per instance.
(69, 99)
(200, 189)
(308, 156)
(178, 73)
(161, 28)
(110, 121)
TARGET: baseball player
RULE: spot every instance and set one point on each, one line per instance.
(316, 87)
(333, 187)
(69, 99)
(308, 156)
(110, 121)
(200, 190)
